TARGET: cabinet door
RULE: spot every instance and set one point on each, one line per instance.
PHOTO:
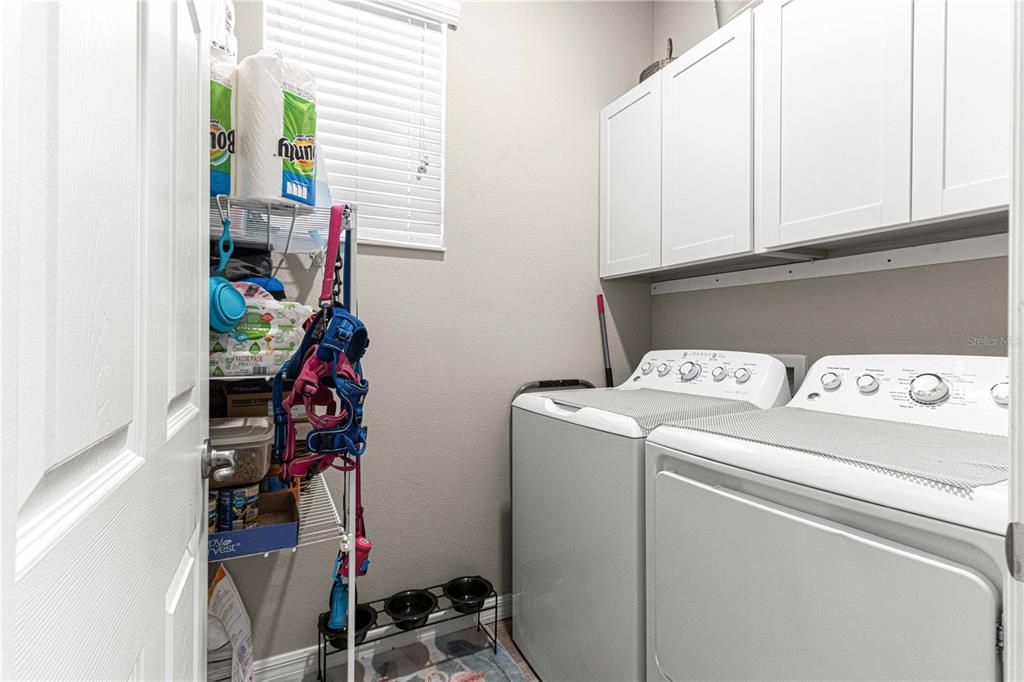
(963, 52)
(836, 118)
(631, 181)
(707, 153)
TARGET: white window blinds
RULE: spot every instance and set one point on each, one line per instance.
(380, 77)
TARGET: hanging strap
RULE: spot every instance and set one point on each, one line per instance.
(333, 239)
(328, 382)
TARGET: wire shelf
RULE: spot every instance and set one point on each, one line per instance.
(275, 227)
(318, 515)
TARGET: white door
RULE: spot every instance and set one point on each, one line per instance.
(707, 154)
(103, 243)
(836, 118)
(631, 181)
(963, 53)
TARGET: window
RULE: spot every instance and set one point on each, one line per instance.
(380, 75)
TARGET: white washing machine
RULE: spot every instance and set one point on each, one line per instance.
(577, 504)
(856, 533)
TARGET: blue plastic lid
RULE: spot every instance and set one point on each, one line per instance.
(227, 305)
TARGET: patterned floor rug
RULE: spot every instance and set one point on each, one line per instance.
(462, 656)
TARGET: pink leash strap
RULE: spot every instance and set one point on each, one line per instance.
(333, 239)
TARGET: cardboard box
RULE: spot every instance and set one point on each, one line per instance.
(248, 405)
(282, 504)
(247, 398)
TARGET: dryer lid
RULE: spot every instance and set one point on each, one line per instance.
(948, 460)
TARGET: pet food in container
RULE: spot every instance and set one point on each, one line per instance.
(237, 508)
(252, 439)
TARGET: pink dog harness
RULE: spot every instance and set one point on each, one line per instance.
(328, 382)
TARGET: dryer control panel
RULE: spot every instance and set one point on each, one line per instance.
(969, 393)
(734, 375)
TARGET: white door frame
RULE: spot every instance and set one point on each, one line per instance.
(1013, 599)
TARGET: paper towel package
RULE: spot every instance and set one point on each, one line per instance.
(276, 123)
(222, 116)
(222, 26)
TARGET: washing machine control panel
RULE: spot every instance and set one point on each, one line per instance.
(752, 377)
(969, 393)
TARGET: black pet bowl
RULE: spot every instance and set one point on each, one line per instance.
(366, 618)
(411, 608)
(467, 594)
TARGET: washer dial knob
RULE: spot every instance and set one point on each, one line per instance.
(742, 375)
(664, 368)
(718, 373)
(1001, 393)
(646, 368)
(929, 389)
(689, 371)
(830, 381)
(867, 384)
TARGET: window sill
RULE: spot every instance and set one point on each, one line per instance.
(391, 244)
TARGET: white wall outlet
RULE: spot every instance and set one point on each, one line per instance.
(796, 368)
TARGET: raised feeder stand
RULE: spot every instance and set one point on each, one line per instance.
(456, 599)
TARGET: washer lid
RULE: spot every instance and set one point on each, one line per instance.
(956, 476)
(644, 408)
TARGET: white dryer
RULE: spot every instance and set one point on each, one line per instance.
(856, 533)
(577, 503)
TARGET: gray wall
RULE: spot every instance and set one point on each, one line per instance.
(512, 300)
(954, 308)
(686, 22)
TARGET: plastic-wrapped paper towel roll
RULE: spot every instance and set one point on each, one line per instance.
(276, 131)
(222, 117)
(222, 26)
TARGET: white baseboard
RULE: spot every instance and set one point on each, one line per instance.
(294, 665)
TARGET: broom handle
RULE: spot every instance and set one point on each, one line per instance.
(604, 341)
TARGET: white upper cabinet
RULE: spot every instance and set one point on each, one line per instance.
(631, 181)
(707, 151)
(963, 53)
(836, 124)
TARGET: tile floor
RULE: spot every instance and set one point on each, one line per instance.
(505, 638)
(421, 662)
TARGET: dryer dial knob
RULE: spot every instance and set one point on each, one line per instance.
(742, 375)
(867, 384)
(664, 368)
(647, 367)
(929, 389)
(718, 373)
(689, 371)
(830, 381)
(1001, 393)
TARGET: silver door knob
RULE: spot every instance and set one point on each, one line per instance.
(217, 464)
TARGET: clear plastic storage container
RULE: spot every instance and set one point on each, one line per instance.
(251, 438)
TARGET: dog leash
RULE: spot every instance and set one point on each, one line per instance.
(327, 374)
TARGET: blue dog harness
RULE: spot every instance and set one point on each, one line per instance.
(327, 373)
